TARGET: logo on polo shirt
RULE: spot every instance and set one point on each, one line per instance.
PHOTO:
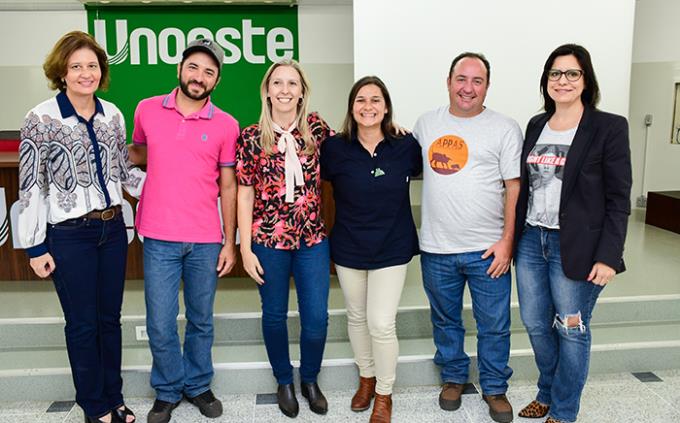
(448, 155)
(204, 137)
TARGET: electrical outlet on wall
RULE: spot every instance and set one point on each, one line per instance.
(140, 333)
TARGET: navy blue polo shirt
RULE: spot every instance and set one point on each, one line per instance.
(374, 226)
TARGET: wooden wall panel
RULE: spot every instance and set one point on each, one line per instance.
(14, 263)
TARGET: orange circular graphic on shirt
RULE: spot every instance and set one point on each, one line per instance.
(448, 155)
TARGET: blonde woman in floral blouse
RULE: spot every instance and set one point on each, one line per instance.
(282, 233)
(73, 162)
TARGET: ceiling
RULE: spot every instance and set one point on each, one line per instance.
(10, 5)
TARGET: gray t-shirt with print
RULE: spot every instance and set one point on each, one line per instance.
(465, 161)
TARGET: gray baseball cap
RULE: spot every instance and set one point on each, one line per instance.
(205, 45)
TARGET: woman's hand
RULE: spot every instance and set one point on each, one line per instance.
(601, 274)
(43, 265)
(252, 265)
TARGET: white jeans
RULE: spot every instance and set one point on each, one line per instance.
(372, 298)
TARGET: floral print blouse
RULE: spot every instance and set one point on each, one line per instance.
(277, 224)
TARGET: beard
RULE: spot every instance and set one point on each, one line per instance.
(184, 86)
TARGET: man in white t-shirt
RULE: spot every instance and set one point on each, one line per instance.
(471, 168)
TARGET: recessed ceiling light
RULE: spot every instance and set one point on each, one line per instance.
(186, 1)
(105, 1)
(269, 1)
(228, 1)
(146, 1)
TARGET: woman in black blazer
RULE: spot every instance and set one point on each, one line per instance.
(572, 215)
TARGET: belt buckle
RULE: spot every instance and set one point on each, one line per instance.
(108, 214)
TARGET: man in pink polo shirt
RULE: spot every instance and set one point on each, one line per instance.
(189, 145)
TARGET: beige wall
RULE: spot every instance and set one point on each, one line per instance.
(22, 82)
(413, 55)
(327, 56)
(655, 70)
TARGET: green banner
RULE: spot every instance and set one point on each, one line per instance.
(145, 44)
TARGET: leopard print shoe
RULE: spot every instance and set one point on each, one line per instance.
(551, 420)
(535, 410)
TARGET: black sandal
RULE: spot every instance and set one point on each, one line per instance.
(124, 413)
(89, 419)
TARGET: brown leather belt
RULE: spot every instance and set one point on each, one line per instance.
(106, 214)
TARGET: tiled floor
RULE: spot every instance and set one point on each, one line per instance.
(620, 398)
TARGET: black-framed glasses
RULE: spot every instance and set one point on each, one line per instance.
(572, 75)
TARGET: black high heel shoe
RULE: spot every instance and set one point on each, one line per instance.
(123, 414)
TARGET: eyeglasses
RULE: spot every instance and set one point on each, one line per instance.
(572, 75)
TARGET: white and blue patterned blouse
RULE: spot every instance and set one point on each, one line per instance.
(69, 166)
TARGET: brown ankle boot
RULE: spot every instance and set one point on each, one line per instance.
(382, 409)
(362, 399)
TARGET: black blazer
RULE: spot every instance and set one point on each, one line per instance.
(595, 197)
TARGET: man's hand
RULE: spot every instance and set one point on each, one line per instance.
(137, 154)
(226, 260)
(502, 254)
(401, 130)
(252, 266)
(43, 265)
(601, 274)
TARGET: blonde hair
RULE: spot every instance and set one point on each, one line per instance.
(267, 136)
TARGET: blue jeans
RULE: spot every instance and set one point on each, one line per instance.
(165, 263)
(444, 277)
(310, 267)
(90, 257)
(548, 299)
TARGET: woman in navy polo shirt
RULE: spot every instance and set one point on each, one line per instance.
(374, 237)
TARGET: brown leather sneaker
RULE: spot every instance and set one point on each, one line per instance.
(449, 397)
(382, 409)
(362, 399)
(500, 409)
(535, 410)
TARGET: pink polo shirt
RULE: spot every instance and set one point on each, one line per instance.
(184, 156)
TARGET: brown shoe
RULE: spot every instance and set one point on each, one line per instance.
(382, 409)
(362, 399)
(535, 410)
(551, 420)
(500, 409)
(449, 397)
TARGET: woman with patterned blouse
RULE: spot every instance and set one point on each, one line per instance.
(73, 161)
(279, 219)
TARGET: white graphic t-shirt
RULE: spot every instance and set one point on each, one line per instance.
(546, 169)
